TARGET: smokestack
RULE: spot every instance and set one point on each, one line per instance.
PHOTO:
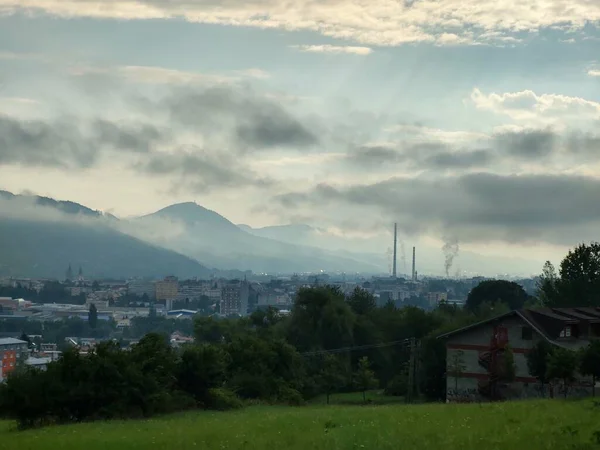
(414, 273)
(395, 240)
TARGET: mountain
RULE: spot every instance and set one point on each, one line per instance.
(40, 237)
(209, 237)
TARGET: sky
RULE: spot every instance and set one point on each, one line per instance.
(470, 122)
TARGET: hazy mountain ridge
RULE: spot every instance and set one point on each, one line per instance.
(208, 236)
(205, 238)
(40, 237)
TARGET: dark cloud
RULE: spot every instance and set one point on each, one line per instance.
(464, 159)
(139, 138)
(68, 142)
(527, 144)
(474, 207)
(250, 120)
(428, 155)
(375, 155)
(584, 144)
(38, 143)
(202, 171)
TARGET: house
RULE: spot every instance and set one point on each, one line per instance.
(475, 354)
(11, 351)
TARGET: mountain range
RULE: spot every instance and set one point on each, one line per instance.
(40, 237)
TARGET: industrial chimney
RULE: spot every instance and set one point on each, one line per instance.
(395, 240)
(414, 273)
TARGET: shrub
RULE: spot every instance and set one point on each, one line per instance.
(290, 396)
(398, 386)
(222, 400)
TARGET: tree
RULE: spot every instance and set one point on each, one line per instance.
(589, 363)
(364, 377)
(537, 362)
(457, 366)
(509, 369)
(579, 282)
(26, 338)
(93, 316)
(546, 285)
(497, 291)
(332, 375)
(361, 301)
(562, 365)
(320, 318)
(201, 368)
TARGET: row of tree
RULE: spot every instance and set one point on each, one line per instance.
(551, 364)
(267, 357)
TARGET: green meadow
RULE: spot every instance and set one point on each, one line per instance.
(542, 424)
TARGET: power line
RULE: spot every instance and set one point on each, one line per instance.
(405, 342)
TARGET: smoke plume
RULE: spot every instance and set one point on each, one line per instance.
(450, 250)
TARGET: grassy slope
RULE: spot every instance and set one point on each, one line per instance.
(506, 426)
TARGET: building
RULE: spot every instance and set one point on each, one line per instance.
(39, 362)
(234, 298)
(11, 352)
(475, 354)
(181, 314)
(434, 298)
(167, 289)
(140, 287)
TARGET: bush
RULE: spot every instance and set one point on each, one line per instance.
(398, 386)
(222, 400)
(290, 396)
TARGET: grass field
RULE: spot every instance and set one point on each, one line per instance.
(507, 426)
(356, 398)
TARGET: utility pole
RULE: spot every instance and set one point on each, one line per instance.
(417, 369)
(411, 372)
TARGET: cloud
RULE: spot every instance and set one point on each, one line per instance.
(336, 49)
(251, 121)
(40, 143)
(427, 134)
(157, 75)
(472, 207)
(529, 107)
(532, 144)
(201, 170)
(69, 143)
(465, 159)
(377, 22)
(254, 73)
(594, 73)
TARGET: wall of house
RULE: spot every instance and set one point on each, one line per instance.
(470, 385)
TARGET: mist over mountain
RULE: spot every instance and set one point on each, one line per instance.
(212, 239)
(40, 237)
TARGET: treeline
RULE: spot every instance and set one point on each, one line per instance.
(266, 357)
(551, 364)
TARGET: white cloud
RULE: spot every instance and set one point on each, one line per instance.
(594, 73)
(161, 75)
(529, 107)
(333, 49)
(370, 22)
(254, 73)
(421, 133)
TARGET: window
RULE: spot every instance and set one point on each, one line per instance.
(566, 332)
(526, 334)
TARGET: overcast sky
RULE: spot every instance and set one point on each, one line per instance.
(471, 121)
